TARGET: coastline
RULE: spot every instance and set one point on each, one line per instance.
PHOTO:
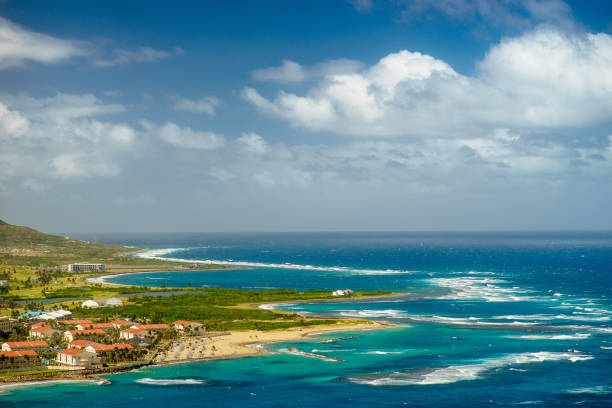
(248, 343)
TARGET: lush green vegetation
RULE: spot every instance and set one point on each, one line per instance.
(217, 308)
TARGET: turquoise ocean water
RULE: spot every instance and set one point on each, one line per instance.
(487, 319)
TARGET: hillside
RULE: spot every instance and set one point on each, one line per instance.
(18, 241)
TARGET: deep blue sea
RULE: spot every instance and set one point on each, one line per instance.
(484, 319)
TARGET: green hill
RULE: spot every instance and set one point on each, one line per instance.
(24, 242)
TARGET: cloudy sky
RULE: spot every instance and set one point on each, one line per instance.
(327, 115)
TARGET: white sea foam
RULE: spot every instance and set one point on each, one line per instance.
(384, 352)
(575, 336)
(389, 313)
(597, 389)
(159, 254)
(273, 306)
(169, 381)
(451, 374)
(483, 288)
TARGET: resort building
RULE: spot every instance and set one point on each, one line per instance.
(119, 323)
(96, 348)
(181, 325)
(7, 324)
(3, 282)
(36, 345)
(18, 359)
(42, 331)
(71, 335)
(55, 315)
(102, 326)
(80, 344)
(77, 357)
(76, 322)
(86, 267)
(131, 333)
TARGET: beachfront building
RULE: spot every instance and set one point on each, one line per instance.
(36, 345)
(7, 324)
(98, 348)
(340, 292)
(182, 325)
(70, 335)
(18, 359)
(42, 332)
(90, 304)
(80, 344)
(86, 267)
(77, 357)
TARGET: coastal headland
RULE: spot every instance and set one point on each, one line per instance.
(120, 327)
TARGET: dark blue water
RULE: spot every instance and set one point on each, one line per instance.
(486, 320)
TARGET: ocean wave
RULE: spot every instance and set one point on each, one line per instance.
(467, 372)
(576, 336)
(159, 255)
(381, 352)
(597, 389)
(169, 381)
(389, 313)
(483, 288)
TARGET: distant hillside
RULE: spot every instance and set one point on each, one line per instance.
(23, 241)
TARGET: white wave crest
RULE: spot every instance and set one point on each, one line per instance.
(452, 374)
(598, 389)
(482, 288)
(169, 381)
(159, 255)
(576, 336)
(389, 313)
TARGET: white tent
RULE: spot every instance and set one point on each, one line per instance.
(90, 304)
(113, 302)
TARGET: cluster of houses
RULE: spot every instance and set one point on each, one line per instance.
(343, 292)
(84, 346)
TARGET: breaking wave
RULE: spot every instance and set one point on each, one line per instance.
(159, 254)
(169, 381)
(452, 374)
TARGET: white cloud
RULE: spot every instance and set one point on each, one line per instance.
(252, 143)
(207, 104)
(291, 71)
(543, 79)
(185, 137)
(19, 45)
(59, 136)
(222, 174)
(142, 54)
(75, 165)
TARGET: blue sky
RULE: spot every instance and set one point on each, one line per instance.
(298, 116)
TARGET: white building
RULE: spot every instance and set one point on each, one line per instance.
(56, 315)
(77, 357)
(86, 267)
(6, 323)
(340, 292)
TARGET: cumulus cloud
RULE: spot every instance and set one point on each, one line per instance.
(60, 136)
(252, 143)
(185, 137)
(542, 79)
(19, 45)
(207, 104)
(142, 54)
(290, 71)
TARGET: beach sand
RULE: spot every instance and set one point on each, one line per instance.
(244, 343)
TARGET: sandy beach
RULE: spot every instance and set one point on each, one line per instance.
(244, 343)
